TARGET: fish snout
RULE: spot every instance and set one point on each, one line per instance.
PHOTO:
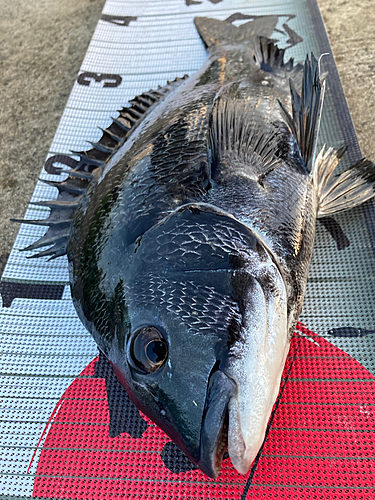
(244, 384)
(222, 429)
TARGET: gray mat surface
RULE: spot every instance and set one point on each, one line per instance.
(44, 346)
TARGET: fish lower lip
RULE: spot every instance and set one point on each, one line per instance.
(214, 432)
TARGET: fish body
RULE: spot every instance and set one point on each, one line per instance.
(189, 246)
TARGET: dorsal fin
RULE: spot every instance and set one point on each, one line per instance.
(306, 111)
(90, 165)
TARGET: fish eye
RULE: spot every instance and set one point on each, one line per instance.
(149, 349)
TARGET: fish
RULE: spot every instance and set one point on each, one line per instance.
(189, 229)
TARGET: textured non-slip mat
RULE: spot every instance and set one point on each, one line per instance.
(68, 429)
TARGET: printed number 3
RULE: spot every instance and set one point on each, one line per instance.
(109, 79)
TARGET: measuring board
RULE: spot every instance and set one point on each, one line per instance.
(68, 430)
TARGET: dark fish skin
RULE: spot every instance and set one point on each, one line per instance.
(189, 253)
(166, 164)
(189, 274)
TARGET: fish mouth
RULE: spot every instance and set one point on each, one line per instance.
(221, 429)
(215, 425)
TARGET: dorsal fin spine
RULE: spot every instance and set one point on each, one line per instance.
(90, 163)
(100, 147)
(133, 113)
(144, 101)
(62, 205)
(121, 125)
(111, 135)
(57, 239)
(78, 174)
(139, 106)
(65, 187)
(85, 159)
(52, 252)
(151, 96)
(44, 222)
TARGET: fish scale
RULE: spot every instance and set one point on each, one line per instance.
(191, 241)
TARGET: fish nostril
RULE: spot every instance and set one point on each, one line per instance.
(215, 367)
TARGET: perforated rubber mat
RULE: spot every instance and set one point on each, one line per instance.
(68, 429)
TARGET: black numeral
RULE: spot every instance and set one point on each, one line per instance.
(196, 2)
(119, 20)
(109, 79)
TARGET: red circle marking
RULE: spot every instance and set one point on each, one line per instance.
(320, 444)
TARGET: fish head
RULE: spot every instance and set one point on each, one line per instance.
(206, 336)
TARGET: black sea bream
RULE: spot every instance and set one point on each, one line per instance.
(189, 229)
